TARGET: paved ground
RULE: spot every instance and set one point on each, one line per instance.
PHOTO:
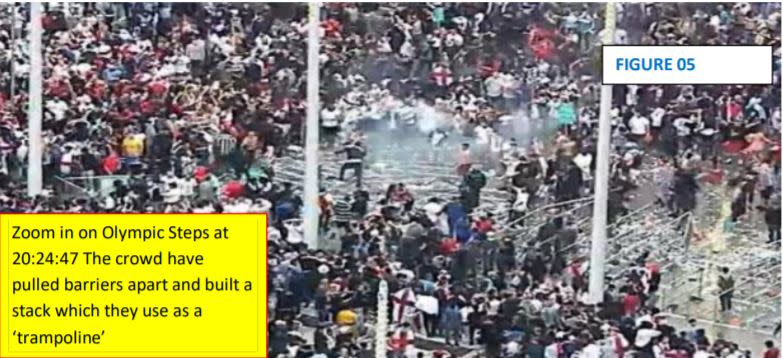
(755, 266)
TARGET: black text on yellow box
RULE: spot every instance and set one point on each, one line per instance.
(232, 323)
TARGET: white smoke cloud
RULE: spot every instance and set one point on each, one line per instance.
(430, 118)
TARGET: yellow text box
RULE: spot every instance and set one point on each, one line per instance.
(117, 285)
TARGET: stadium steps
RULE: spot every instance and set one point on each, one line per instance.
(423, 178)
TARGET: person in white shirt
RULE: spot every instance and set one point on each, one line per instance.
(630, 97)
(493, 307)
(495, 150)
(775, 121)
(453, 39)
(620, 36)
(173, 194)
(645, 336)
(656, 117)
(437, 137)
(433, 210)
(330, 123)
(639, 127)
(67, 160)
(683, 125)
(509, 90)
(512, 349)
(519, 207)
(206, 209)
(109, 202)
(584, 160)
(483, 134)
(592, 350)
(188, 186)
(494, 88)
(511, 150)
(57, 107)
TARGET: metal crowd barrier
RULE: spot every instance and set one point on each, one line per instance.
(97, 186)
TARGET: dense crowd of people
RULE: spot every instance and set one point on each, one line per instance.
(170, 95)
(154, 107)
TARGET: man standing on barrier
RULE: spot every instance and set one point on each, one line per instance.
(355, 152)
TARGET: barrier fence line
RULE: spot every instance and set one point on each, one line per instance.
(536, 211)
(101, 181)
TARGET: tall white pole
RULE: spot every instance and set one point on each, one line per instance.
(312, 126)
(35, 103)
(599, 234)
(13, 50)
(382, 320)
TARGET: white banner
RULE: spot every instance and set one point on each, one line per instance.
(687, 64)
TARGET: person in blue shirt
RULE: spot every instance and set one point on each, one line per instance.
(455, 212)
(113, 73)
(451, 323)
(462, 230)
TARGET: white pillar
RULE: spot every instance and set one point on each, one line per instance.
(599, 234)
(35, 104)
(312, 127)
(382, 320)
(12, 7)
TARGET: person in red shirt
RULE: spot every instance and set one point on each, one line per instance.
(147, 106)
(331, 28)
(200, 173)
(57, 88)
(233, 189)
(540, 41)
(449, 246)
(771, 351)
(483, 226)
(631, 303)
(157, 88)
(733, 108)
(111, 163)
(96, 89)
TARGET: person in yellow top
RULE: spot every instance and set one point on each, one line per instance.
(346, 317)
(132, 146)
(348, 321)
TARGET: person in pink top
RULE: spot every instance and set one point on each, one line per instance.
(464, 160)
